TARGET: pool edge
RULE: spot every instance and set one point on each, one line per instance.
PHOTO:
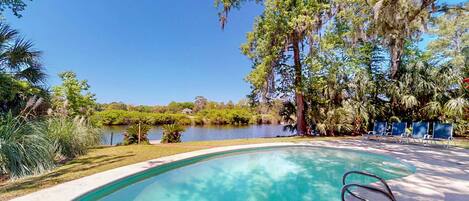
(75, 189)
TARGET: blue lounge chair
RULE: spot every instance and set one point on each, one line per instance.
(419, 131)
(397, 131)
(379, 129)
(442, 132)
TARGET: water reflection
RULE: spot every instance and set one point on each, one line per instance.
(203, 133)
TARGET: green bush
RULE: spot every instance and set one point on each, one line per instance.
(70, 137)
(132, 134)
(226, 116)
(197, 120)
(211, 116)
(120, 117)
(23, 151)
(172, 133)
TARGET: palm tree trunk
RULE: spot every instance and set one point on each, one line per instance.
(300, 105)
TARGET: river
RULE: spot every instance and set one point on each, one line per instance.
(202, 133)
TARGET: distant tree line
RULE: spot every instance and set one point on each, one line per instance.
(199, 112)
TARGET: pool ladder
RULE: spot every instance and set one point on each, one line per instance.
(346, 187)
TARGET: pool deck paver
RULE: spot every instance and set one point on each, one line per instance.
(441, 174)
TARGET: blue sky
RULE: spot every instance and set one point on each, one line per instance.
(142, 52)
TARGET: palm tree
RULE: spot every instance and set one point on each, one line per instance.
(21, 71)
(18, 57)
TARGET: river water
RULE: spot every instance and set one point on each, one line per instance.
(202, 133)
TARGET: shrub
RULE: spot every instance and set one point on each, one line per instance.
(227, 116)
(209, 116)
(172, 133)
(197, 120)
(23, 151)
(70, 137)
(132, 134)
(120, 117)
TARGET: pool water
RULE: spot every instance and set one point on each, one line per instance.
(281, 173)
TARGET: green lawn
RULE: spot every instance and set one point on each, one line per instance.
(105, 158)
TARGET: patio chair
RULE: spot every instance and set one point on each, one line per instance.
(419, 131)
(397, 131)
(379, 129)
(442, 132)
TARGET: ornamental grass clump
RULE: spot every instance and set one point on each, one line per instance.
(172, 133)
(71, 137)
(22, 150)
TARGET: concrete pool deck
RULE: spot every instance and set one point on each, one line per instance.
(441, 174)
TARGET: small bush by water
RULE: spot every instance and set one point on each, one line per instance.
(172, 133)
(136, 134)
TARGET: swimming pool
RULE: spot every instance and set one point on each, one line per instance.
(273, 173)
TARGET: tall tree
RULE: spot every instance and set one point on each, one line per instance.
(73, 98)
(277, 44)
(452, 35)
(200, 103)
(396, 20)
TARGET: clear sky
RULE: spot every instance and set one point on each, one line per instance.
(143, 51)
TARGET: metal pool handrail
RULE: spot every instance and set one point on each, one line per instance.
(371, 188)
(387, 192)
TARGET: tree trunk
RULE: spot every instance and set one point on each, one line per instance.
(300, 105)
(396, 46)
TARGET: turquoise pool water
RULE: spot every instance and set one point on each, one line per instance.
(281, 173)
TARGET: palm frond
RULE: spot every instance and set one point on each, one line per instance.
(21, 55)
(6, 34)
(409, 101)
(456, 106)
(33, 74)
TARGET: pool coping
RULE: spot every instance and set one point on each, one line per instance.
(76, 188)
